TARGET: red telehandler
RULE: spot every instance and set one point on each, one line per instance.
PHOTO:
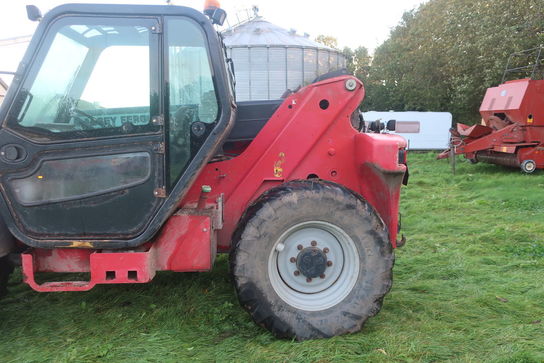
(123, 152)
(512, 128)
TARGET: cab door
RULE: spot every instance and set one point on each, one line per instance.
(114, 111)
(82, 143)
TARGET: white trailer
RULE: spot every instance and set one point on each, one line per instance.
(423, 130)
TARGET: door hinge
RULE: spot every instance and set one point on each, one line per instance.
(158, 120)
(218, 214)
(159, 148)
(160, 192)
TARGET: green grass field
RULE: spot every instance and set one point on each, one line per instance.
(468, 287)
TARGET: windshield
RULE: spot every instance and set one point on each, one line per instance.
(53, 82)
(92, 78)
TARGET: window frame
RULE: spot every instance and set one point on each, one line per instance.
(44, 136)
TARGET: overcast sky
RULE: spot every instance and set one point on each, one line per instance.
(352, 22)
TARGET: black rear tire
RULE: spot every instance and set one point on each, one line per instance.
(7, 245)
(6, 268)
(253, 266)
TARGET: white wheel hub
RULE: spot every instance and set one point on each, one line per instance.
(529, 166)
(314, 265)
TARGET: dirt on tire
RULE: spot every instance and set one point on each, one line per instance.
(295, 202)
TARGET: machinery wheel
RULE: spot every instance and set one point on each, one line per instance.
(473, 161)
(311, 260)
(528, 166)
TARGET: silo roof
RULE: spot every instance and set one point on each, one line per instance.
(259, 32)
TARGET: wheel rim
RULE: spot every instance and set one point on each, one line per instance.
(529, 166)
(314, 265)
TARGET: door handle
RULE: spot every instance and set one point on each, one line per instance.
(12, 153)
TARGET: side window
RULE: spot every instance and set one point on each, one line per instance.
(193, 105)
(93, 80)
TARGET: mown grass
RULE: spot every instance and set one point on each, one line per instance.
(468, 288)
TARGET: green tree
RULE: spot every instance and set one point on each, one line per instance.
(443, 56)
(327, 40)
(358, 62)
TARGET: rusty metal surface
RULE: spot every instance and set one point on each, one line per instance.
(499, 158)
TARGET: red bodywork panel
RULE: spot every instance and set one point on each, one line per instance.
(302, 139)
(517, 99)
(186, 243)
(512, 129)
(309, 135)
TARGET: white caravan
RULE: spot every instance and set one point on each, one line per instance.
(423, 130)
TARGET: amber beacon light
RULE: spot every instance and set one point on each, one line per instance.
(213, 10)
(211, 4)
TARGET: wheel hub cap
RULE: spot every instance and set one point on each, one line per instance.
(316, 266)
(312, 262)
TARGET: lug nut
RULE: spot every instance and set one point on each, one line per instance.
(329, 263)
(322, 276)
(309, 279)
(325, 250)
(313, 243)
(297, 272)
(299, 247)
(293, 260)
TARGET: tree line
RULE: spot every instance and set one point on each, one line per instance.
(443, 55)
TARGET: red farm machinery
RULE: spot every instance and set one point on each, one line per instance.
(512, 129)
(123, 152)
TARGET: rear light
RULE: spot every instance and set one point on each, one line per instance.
(403, 159)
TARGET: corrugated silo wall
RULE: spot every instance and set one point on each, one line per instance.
(266, 72)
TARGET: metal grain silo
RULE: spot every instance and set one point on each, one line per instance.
(268, 60)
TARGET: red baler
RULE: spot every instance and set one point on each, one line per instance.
(512, 129)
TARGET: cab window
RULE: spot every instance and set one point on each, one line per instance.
(91, 79)
(193, 105)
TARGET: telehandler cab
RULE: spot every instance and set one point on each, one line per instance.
(123, 152)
